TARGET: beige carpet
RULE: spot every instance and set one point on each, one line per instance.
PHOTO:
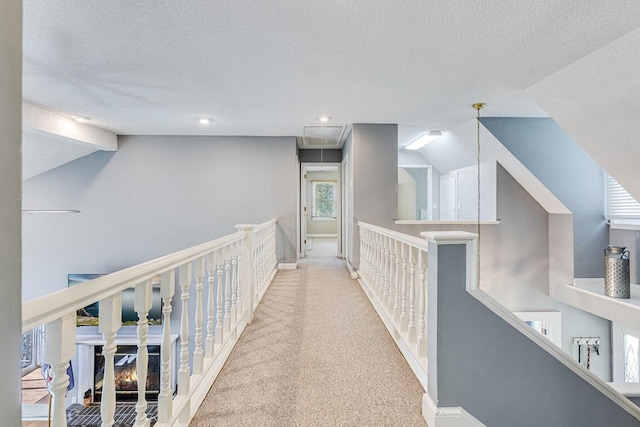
(316, 354)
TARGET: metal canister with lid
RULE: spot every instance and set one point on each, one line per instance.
(616, 272)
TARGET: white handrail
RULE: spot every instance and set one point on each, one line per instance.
(46, 308)
(414, 241)
(227, 266)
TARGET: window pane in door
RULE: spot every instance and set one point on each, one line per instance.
(630, 359)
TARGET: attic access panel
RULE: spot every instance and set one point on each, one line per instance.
(328, 137)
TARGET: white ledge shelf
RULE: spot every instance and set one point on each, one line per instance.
(627, 389)
(588, 295)
(421, 222)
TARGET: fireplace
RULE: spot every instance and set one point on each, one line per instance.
(126, 376)
(89, 369)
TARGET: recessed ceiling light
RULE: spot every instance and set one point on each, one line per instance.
(423, 140)
(80, 119)
(324, 119)
(204, 120)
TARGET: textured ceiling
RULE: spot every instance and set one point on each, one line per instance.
(272, 67)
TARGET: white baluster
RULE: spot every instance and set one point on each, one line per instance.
(375, 263)
(380, 263)
(60, 344)
(256, 276)
(412, 297)
(397, 287)
(238, 280)
(371, 268)
(109, 323)
(142, 305)
(198, 353)
(234, 285)
(227, 295)
(390, 276)
(165, 399)
(404, 319)
(371, 265)
(219, 300)
(363, 256)
(245, 265)
(422, 340)
(261, 262)
(391, 291)
(385, 272)
(209, 349)
(184, 381)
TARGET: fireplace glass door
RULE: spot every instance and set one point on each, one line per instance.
(126, 377)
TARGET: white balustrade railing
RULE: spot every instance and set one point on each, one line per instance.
(393, 272)
(264, 250)
(236, 269)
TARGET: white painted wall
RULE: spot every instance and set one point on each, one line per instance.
(10, 216)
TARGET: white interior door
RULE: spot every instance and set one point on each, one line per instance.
(448, 198)
(346, 212)
(303, 211)
(307, 173)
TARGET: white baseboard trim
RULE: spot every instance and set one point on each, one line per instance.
(353, 271)
(446, 417)
(287, 266)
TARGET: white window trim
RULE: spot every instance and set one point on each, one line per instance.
(314, 217)
(617, 349)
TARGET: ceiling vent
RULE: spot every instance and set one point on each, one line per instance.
(327, 137)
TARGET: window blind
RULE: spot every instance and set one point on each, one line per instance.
(620, 204)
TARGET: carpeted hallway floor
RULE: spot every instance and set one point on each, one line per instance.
(316, 354)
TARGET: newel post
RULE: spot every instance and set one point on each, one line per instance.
(246, 262)
(444, 248)
(60, 345)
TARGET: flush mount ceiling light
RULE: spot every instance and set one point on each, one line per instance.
(324, 119)
(49, 211)
(423, 140)
(204, 120)
(80, 119)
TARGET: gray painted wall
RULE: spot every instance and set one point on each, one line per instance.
(571, 175)
(479, 352)
(154, 196)
(315, 156)
(375, 177)
(350, 225)
(10, 216)
(517, 274)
